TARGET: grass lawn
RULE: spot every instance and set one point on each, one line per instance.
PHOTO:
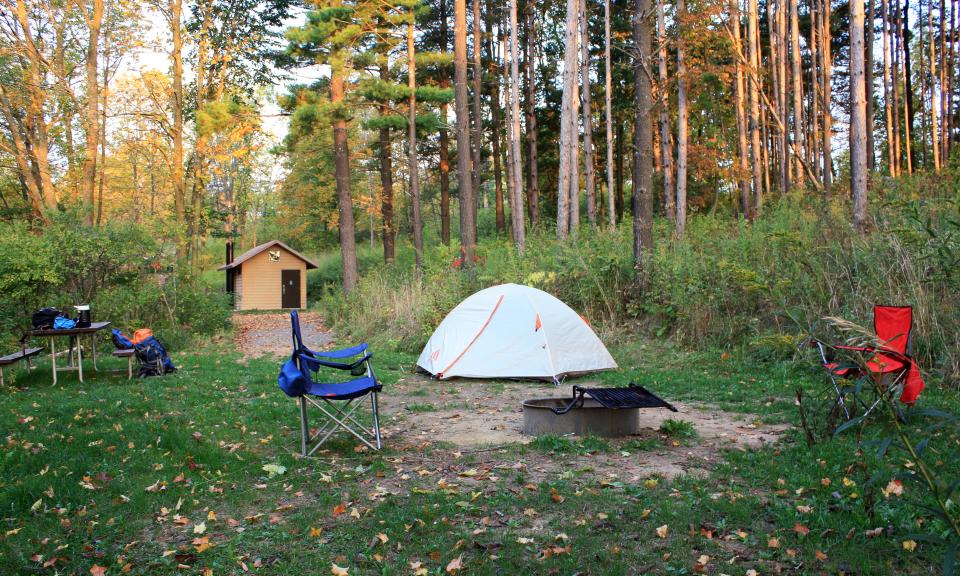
(166, 475)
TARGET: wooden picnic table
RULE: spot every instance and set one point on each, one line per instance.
(74, 334)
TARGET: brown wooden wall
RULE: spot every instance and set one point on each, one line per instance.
(258, 284)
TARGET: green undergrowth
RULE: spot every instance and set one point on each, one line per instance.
(166, 475)
(729, 284)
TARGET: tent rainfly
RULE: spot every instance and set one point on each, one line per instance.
(513, 331)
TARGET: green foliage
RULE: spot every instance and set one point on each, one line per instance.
(678, 429)
(118, 268)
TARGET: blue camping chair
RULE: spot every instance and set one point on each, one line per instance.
(301, 378)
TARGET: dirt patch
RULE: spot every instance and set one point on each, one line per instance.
(259, 335)
(483, 417)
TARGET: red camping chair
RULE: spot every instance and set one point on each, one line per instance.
(890, 365)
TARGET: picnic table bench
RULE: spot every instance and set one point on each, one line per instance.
(129, 354)
(26, 353)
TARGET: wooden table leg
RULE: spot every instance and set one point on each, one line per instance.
(94, 338)
(53, 358)
(80, 360)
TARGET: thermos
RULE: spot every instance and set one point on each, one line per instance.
(83, 318)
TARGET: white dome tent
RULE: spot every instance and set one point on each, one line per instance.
(513, 331)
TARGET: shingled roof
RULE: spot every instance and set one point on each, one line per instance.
(258, 249)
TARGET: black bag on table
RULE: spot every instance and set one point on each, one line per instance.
(43, 318)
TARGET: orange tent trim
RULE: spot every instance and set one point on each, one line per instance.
(482, 328)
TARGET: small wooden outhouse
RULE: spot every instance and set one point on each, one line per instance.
(269, 277)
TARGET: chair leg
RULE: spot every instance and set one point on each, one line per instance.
(304, 428)
(129, 367)
(376, 418)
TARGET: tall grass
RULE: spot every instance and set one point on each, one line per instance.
(727, 282)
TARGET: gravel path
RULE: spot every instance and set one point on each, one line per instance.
(259, 335)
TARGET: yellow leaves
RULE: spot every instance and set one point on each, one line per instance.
(893, 488)
(848, 482)
(200, 528)
(418, 568)
(212, 516)
(662, 531)
(701, 563)
(909, 545)
(201, 544)
(455, 565)
(315, 532)
(383, 538)
(650, 483)
(338, 570)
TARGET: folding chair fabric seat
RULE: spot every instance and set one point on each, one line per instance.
(344, 390)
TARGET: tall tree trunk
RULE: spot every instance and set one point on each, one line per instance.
(743, 152)
(177, 104)
(895, 56)
(444, 137)
(796, 70)
(477, 136)
(642, 142)
(495, 112)
(908, 110)
(934, 109)
(858, 116)
(94, 22)
(588, 166)
(608, 112)
(666, 151)
(464, 190)
(786, 168)
(815, 83)
(516, 202)
(530, 102)
(412, 165)
(868, 79)
(386, 173)
(944, 110)
(618, 168)
(681, 123)
(887, 96)
(757, 154)
(341, 160)
(568, 136)
(503, 50)
(22, 156)
(103, 126)
(826, 85)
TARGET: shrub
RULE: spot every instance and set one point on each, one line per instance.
(120, 269)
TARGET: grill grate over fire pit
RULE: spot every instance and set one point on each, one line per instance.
(607, 412)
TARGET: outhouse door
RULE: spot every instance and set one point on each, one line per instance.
(290, 289)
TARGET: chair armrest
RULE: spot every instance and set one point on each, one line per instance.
(311, 358)
(342, 353)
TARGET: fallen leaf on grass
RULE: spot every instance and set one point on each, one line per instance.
(773, 543)
(455, 565)
(315, 532)
(874, 533)
(820, 555)
(556, 497)
(274, 469)
(339, 509)
(893, 488)
(200, 528)
(524, 541)
(338, 571)
(909, 545)
(662, 531)
(801, 529)
(97, 570)
(383, 538)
